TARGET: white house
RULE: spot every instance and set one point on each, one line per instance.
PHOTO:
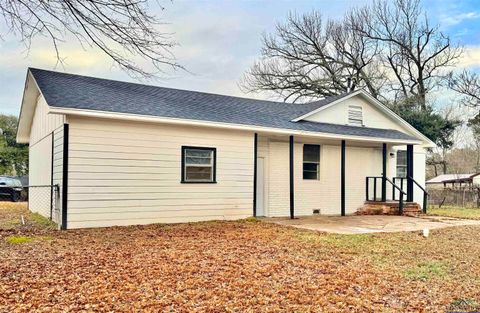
(125, 153)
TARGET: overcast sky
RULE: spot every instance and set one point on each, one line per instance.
(218, 40)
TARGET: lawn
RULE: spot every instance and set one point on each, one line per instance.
(233, 266)
(458, 212)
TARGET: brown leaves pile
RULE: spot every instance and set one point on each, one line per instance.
(235, 266)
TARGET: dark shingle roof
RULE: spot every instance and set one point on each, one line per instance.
(82, 92)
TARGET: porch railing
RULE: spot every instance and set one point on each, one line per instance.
(425, 193)
(379, 179)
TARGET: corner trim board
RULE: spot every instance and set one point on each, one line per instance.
(51, 174)
(292, 187)
(255, 154)
(65, 177)
(342, 181)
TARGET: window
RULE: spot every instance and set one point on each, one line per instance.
(355, 115)
(311, 161)
(401, 163)
(198, 165)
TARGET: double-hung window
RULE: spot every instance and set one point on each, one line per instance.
(401, 163)
(198, 165)
(311, 162)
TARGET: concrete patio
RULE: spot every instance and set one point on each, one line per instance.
(364, 224)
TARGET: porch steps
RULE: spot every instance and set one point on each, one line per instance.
(389, 208)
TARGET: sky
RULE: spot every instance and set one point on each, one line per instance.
(218, 41)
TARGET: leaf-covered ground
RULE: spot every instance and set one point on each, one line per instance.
(235, 266)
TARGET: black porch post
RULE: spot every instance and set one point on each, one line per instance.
(384, 172)
(292, 196)
(409, 173)
(255, 145)
(342, 183)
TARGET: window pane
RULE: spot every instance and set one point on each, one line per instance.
(198, 164)
(311, 159)
(401, 171)
(312, 167)
(310, 175)
(197, 160)
(402, 158)
(311, 153)
(402, 163)
(198, 153)
(198, 173)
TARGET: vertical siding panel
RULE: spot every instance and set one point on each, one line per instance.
(40, 157)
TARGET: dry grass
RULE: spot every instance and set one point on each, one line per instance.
(238, 266)
(457, 212)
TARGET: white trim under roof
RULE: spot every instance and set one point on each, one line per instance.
(31, 93)
(169, 120)
(427, 142)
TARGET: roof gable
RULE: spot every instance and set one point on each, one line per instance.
(375, 114)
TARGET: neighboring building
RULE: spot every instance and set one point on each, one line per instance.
(454, 181)
(127, 153)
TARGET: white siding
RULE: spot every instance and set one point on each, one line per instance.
(40, 154)
(372, 116)
(58, 171)
(43, 123)
(123, 173)
(322, 194)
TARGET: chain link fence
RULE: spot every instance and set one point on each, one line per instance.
(42, 199)
(467, 198)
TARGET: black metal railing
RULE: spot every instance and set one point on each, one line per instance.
(402, 181)
(375, 180)
(425, 195)
(399, 181)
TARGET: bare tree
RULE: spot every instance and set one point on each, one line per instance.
(467, 84)
(417, 53)
(122, 29)
(309, 58)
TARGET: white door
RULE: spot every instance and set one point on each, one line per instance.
(260, 187)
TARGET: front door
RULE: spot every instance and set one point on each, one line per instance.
(260, 187)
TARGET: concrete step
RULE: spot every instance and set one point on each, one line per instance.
(389, 208)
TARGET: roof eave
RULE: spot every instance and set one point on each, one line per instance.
(253, 128)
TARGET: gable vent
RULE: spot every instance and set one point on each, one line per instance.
(355, 115)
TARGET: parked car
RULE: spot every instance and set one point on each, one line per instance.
(10, 188)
